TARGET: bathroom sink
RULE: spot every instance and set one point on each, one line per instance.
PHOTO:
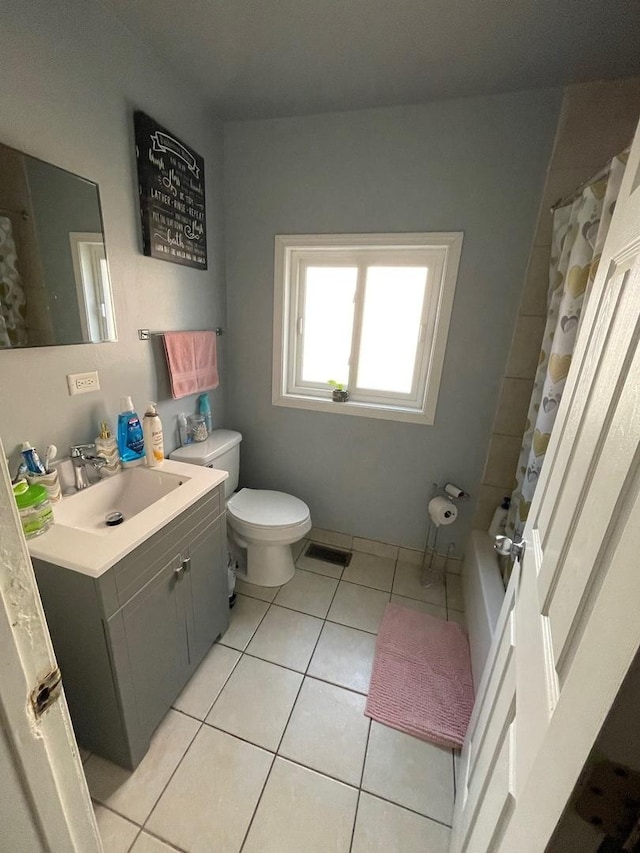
(147, 498)
(127, 493)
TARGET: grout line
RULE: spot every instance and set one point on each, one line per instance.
(95, 802)
(364, 762)
(235, 736)
(453, 762)
(254, 656)
(316, 572)
(255, 811)
(175, 770)
(304, 612)
(262, 618)
(164, 841)
(333, 597)
(305, 675)
(368, 586)
(335, 684)
(131, 846)
(169, 844)
(406, 808)
(352, 583)
(353, 627)
(323, 773)
(393, 579)
(233, 668)
(247, 594)
(284, 607)
(446, 596)
(286, 725)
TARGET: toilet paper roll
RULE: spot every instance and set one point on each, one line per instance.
(442, 511)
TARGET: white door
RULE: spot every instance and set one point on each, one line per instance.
(44, 802)
(569, 626)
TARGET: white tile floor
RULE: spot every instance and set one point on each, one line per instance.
(267, 749)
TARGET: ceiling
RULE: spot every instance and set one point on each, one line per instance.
(259, 58)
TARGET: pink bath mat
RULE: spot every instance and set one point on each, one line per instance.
(421, 682)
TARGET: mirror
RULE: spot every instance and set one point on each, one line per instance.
(54, 277)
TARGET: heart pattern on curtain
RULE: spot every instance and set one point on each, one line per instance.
(579, 231)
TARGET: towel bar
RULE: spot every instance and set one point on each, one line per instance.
(145, 334)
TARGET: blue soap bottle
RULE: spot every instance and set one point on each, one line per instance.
(204, 407)
(130, 438)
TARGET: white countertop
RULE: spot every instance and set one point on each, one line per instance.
(92, 555)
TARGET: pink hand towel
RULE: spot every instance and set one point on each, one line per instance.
(192, 362)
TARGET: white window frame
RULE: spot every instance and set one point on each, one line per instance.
(440, 251)
(93, 287)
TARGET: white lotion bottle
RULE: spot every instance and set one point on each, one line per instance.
(153, 438)
(499, 520)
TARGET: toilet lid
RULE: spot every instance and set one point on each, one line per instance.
(267, 509)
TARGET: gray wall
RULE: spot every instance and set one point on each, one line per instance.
(475, 165)
(75, 78)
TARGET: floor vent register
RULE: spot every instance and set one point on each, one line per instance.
(328, 555)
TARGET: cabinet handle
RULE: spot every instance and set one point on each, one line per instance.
(186, 564)
(179, 571)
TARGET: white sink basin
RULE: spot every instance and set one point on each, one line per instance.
(148, 499)
(129, 492)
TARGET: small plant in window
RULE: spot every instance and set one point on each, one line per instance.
(339, 394)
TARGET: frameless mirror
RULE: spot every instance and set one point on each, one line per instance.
(54, 277)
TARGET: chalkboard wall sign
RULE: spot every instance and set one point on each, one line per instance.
(171, 183)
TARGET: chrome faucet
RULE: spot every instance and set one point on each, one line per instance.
(81, 455)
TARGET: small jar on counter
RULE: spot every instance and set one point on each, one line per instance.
(198, 427)
(34, 508)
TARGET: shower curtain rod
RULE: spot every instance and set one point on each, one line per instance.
(597, 176)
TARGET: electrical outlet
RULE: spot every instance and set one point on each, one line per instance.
(82, 383)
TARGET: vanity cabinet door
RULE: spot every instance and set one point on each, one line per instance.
(207, 576)
(149, 646)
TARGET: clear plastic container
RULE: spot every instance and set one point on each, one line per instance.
(198, 427)
(34, 507)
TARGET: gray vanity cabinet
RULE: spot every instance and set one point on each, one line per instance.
(147, 638)
(205, 589)
(128, 641)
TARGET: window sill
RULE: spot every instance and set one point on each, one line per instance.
(351, 407)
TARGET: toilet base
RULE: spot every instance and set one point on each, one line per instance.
(261, 564)
(269, 565)
(264, 557)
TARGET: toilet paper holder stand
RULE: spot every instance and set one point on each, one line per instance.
(430, 575)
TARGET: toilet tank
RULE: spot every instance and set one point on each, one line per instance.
(221, 450)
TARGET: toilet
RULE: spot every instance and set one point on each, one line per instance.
(262, 525)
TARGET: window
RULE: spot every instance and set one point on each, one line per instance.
(369, 311)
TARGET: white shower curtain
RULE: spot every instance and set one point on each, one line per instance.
(13, 327)
(579, 230)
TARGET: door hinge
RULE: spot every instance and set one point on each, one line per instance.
(46, 692)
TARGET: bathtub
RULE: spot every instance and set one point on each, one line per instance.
(483, 592)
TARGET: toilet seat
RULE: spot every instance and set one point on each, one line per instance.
(267, 510)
